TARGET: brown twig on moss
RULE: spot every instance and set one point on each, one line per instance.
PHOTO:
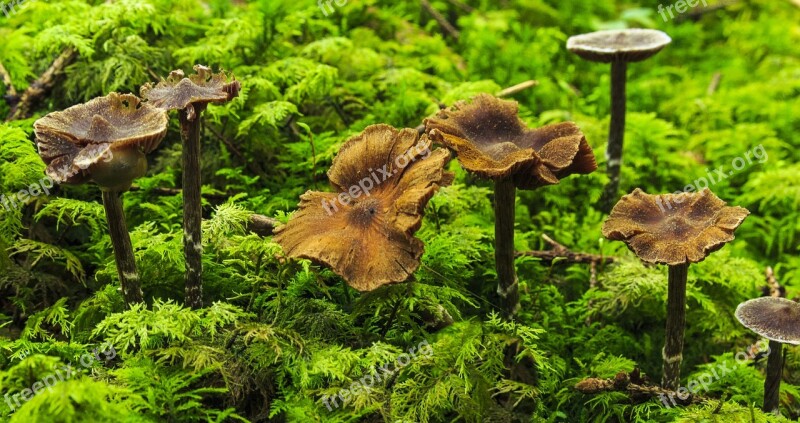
(447, 26)
(561, 252)
(635, 388)
(40, 87)
(5, 77)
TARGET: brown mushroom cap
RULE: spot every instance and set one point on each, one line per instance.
(178, 92)
(623, 45)
(72, 142)
(370, 240)
(491, 141)
(774, 318)
(673, 228)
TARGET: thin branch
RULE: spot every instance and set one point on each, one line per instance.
(522, 86)
(253, 167)
(775, 289)
(262, 225)
(447, 26)
(698, 12)
(465, 7)
(5, 77)
(37, 90)
(636, 389)
(714, 85)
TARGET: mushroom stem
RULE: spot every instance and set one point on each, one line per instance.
(772, 384)
(676, 321)
(192, 211)
(616, 134)
(504, 208)
(123, 250)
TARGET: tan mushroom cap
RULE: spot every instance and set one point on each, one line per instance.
(623, 45)
(673, 228)
(774, 318)
(72, 141)
(178, 92)
(491, 141)
(369, 239)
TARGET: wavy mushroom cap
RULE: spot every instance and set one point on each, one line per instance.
(178, 92)
(364, 231)
(618, 45)
(673, 228)
(774, 318)
(491, 141)
(72, 142)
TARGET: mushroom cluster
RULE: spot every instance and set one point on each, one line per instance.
(698, 224)
(104, 141)
(491, 141)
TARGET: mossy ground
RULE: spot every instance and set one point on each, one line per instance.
(276, 336)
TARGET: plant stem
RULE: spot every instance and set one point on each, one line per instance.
(504, 208)
(123, 250)
(192, 211)
(676, 322)
(772, 385)
(616, 133)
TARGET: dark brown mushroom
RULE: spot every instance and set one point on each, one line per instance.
(190, 96)
(673, 229)
(364, 231)
(617, 47)
(105, 141)
(778, 320)
(492, 142)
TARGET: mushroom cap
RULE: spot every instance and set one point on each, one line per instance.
(673, 228)
(72, 141)
(623, 45)
(774, 318)
(178, 92)
(491, 141)
(368, 238)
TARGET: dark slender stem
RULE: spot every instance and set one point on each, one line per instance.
(772, 385)
(504, 207)
(123, 250)
(676, 322)
(192, 211)
(616, 133)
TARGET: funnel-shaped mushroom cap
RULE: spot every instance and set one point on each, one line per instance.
(491, 141)
(774, 318)
(72, 142)
(618, 45)
(673, 228)
(364, 231)
(178, 92)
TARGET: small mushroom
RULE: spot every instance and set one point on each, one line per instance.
(673, 229)
(104, 141)
(617, 47)
(492, 142)
(778, 320)
(190, 96)
(364, 231)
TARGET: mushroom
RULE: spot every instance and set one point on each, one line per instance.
(364, 231)
(673, 229)
(617, 47)
(190, 96)
(778, 320)
(492, 142)
(104, 141)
